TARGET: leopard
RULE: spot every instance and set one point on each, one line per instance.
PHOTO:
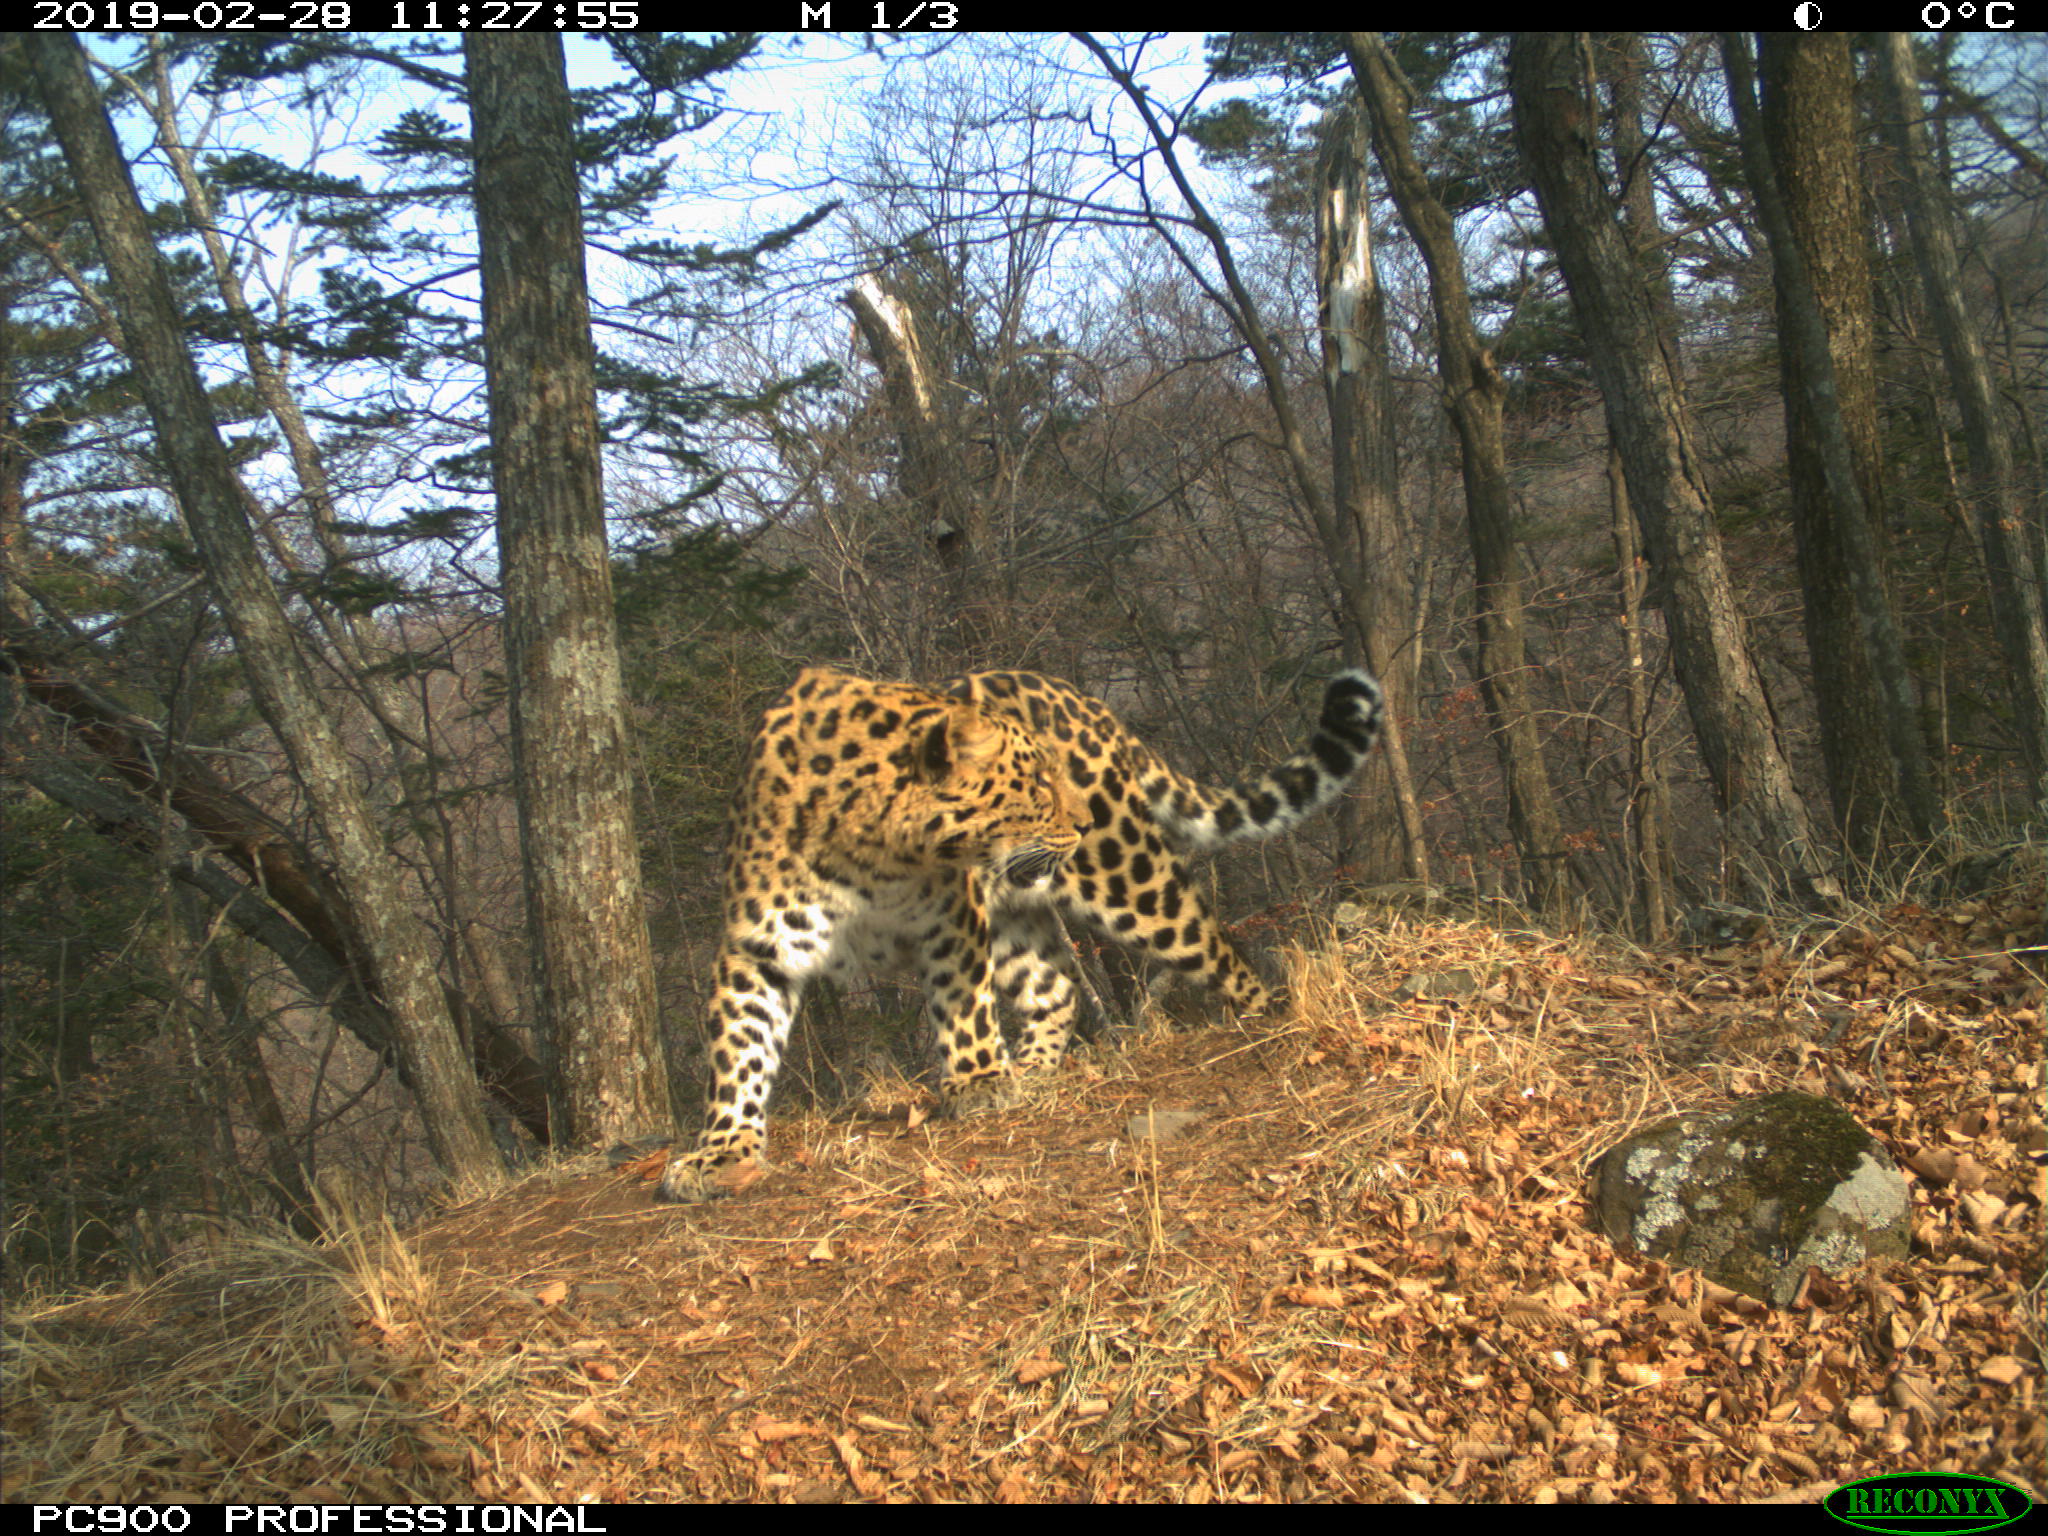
(949, 829)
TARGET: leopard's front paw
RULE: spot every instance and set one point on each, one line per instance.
(695, 1177)
(981, 1096)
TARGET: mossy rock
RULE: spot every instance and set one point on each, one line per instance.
(1753, 1195)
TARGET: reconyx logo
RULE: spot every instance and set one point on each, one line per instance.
(1948, 1502)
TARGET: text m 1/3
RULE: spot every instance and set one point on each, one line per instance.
(879, 15)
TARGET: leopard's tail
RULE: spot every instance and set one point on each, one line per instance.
(1202, 819)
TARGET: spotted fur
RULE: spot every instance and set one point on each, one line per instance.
(950, 828)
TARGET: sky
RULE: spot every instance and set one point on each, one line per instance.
(803, 119)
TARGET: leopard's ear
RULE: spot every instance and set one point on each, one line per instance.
(958, 738)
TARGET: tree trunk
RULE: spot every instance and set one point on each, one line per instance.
(585, 917)
(231, 1022)
(352, 638)
(1648, 816)
(1624, 64)
(929, 470)
(1355, 616)
(395, 945)
(1472, 392)
(1365, 469)
(2009, 530)
(1650, 423)
(1809, 199)
(289, 906)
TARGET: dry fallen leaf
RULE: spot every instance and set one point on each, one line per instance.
(1037, 1368)
(646, 1168)
(1312, 1295)
(856, 1466)
(889, 1426)
(1525, 1309)
(737, 1176)
(1981, 1210)
(1937, 1165)
(1866, 1412)
(768, 1430)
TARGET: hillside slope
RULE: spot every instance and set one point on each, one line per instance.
(1363, 1271)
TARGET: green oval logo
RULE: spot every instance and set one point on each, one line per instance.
(1914, 1502)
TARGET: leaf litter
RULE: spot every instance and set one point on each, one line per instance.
(1361, 1270)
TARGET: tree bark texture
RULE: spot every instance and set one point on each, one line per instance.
(234, 1043)
(1365, 468)
(1355, 617)
(1472, 391)
(351, 637)
(1648, 418)
(1624, 64)
(289, 904)
(585, 917)
(1648, 814)
(2008, 528)
(930, 467)
(395, 945)
(1800, 151)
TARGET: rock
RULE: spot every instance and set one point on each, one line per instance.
(1438, 986)
(1367, 906)
(1161, 1124)
(1717, 923)
(1753, 1195)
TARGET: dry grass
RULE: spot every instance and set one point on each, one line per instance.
(1363, 1273)
(253, 1373)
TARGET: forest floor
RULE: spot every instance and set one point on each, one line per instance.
(1362, 1271)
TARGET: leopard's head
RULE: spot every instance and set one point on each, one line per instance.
(989, 795)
